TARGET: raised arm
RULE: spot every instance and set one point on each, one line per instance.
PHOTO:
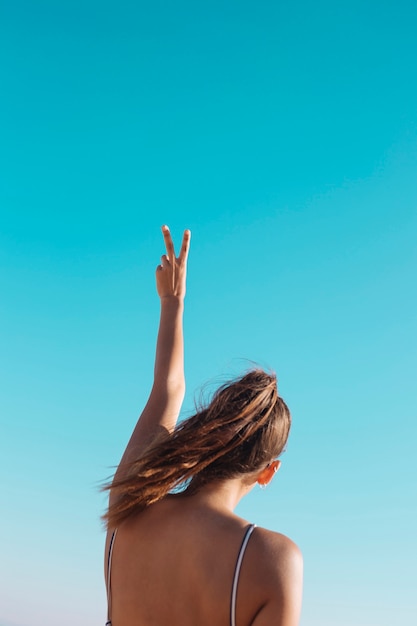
(163, 406)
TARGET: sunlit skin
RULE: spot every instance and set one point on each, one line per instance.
(173, 563)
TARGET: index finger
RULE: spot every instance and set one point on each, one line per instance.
(169, 245)
(185, 246)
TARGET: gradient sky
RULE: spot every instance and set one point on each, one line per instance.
(285, 136)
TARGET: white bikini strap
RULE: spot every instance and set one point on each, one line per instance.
(113, 537)
(237, 572)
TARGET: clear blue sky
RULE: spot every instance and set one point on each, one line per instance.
(285, 136)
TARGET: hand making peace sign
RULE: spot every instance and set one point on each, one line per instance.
(171, 273)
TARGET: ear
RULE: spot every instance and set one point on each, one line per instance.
(267, 474)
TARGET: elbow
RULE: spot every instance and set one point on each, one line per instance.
(170, 386)
(176, 387)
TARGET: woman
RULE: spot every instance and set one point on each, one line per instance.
(184, 558)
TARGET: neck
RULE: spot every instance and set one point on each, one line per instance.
(221, 495)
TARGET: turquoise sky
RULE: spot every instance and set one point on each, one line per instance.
(285, 136)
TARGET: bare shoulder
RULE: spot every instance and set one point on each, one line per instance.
(276, 550)
(280, 572)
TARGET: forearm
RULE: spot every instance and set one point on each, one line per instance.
(169, 358)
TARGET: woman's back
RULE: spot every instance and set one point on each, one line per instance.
(174, 564)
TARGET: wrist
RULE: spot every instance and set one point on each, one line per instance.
(172, 302)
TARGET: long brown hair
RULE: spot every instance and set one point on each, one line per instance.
(242, 429)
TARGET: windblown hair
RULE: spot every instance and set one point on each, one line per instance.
(242, 429)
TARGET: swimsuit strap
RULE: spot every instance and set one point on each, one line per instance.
(241, 554)
(113, 537)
